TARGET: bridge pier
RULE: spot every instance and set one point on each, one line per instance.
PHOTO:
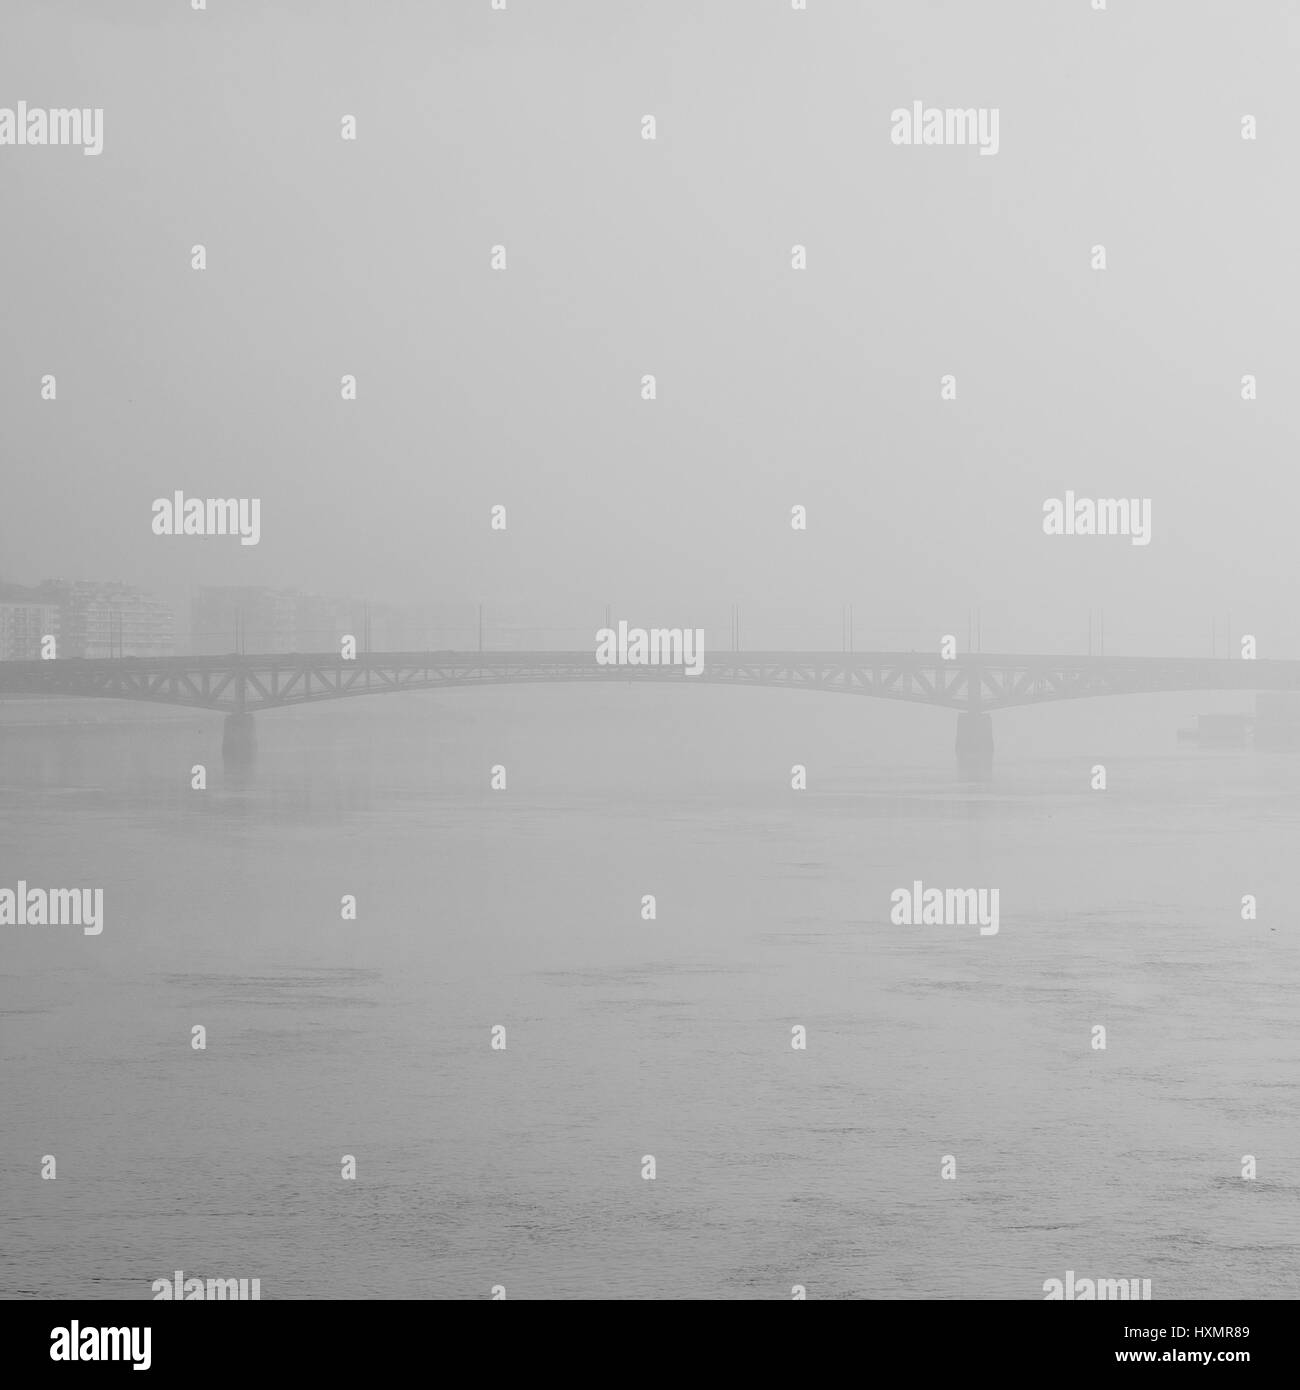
(239, 739)
(975, 742)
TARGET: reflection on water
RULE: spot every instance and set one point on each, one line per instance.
(628, 1037)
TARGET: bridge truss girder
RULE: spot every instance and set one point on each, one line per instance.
(973, 682)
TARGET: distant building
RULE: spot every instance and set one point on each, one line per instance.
(394, 629)
(22, 627)
(235, 618)
(257, 621)
(99, 620)
(323, 622)
(87, 618)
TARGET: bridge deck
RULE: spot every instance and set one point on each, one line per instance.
(979, 681)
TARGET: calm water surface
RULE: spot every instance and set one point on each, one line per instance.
(627, 1037)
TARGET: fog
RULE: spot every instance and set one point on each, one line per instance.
(669, 257)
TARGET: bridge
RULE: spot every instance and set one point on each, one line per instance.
(973, 684)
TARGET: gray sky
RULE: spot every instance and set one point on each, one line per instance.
(673, 257)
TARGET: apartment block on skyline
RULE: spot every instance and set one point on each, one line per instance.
(87, 618)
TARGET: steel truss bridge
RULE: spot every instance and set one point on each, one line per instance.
(972, 683)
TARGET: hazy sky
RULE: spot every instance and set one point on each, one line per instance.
(669, 257)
